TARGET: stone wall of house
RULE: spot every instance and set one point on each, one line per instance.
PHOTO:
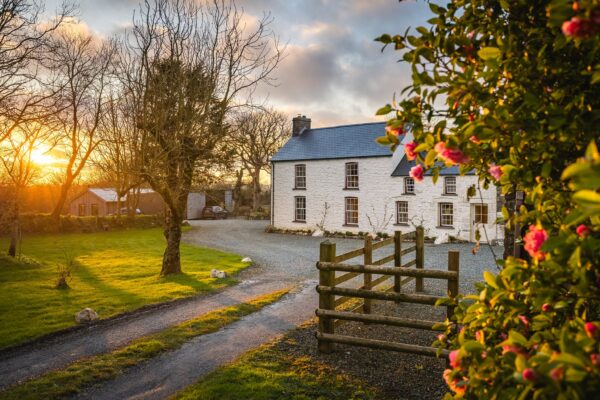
(377, 195)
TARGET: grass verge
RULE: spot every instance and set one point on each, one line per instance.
(271, 373)
(69, 381)
(112, 272)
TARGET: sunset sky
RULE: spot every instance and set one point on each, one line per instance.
(333, 71)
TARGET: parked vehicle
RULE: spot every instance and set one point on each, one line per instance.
(214, 212)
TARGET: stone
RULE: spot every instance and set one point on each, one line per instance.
(185, 222)
(215, 273)
(86, 316)
(442, 238)
(318, 233)
(246, 260)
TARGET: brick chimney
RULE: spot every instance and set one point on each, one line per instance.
(300, 124)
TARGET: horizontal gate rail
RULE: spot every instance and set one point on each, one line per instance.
(371, 294)
(381, 319)
(381, 270)
(380, 344)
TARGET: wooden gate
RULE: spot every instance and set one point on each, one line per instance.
(332, 296)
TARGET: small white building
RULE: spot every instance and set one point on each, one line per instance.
(339, 179)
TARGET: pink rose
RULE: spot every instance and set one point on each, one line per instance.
(409, 148)
(496, 172)
(450, 156)
(546, 307)
(524, 320)
(595, 359)
(534, 239)
(416, 173)
(454, 359)
(557, 374)
(591, 329)
(441, 337)
(394, 131)
(479, 336)
(577, 27)
(475, 139)
(582, 230)
(529, 374)
(511, 349)
(452, 383)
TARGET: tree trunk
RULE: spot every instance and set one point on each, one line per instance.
(256, 189)
(15, 233)
(62, 199)
(172, 257)
(237, 190)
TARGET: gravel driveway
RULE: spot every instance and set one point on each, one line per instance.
(292, 258)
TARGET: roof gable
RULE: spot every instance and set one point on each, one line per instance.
(347, 141)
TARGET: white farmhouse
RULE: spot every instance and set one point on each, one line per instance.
(339, 179)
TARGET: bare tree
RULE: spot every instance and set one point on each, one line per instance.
(23, 39)
(81, 74)
(188, 65)
(257, 135)
(19, 171)
(119, 154)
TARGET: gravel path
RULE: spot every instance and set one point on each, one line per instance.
(38, 358)
(164, 375)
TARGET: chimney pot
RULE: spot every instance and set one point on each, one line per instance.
(300, 124)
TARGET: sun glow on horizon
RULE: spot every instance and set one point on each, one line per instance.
(41, 157)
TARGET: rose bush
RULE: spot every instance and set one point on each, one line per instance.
(511, 89)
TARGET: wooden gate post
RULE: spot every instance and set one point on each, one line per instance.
(420, 255)
(326, 301)
(397, 260)
(453, 265)
(368, 260)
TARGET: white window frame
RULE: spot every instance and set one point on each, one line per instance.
(300, 209)
(402, 212)
(351, 175)
(481, 216)
(450, 185)
(409, 183)
(300, 176)
(351, 211)
(446, 214)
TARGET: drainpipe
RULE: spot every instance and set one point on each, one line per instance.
(272, 193)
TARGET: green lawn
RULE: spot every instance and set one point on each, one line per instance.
(271, 373)
(114, 272)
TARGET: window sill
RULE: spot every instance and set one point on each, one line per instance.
(347, 188)
(299, 188)
(444, 227)
(351, 225)
(408, 194)
(299, 222)
(449, 194)
(401, 224)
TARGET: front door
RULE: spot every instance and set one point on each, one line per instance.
(479, 218)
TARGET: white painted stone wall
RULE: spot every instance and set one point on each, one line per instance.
(378, 191)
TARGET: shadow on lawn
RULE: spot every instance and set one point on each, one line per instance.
(85, 274)
(199, 285)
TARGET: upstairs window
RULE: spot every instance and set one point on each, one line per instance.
(446, 214)
(352, 175)
(351, 211)
(481, 214)
(300, 209)
(300, 176)
(409, 186)
(450, 185)
(402, 212)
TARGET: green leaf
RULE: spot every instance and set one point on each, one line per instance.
(383, 140)
(489, 53)
(472, 345)
(589, 200)
(570, 359)
(490, 279)
(384, 110)
(516, 338)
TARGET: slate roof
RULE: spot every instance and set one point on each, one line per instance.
(404, 166)
(110, 194)
(347, 141)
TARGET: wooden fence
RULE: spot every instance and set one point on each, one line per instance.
(331, 295)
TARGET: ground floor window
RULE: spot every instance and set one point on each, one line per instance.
(446, 214)
(81, 212)
(300, 210)
(94, 209)
(481, 213)
(351, 210)
(402, 212)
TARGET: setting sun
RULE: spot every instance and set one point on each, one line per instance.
(42, 157)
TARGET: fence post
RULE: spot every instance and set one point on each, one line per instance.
(326, 301)
(368, 260)
(420, 256)
(453, 265)
(397, 260)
